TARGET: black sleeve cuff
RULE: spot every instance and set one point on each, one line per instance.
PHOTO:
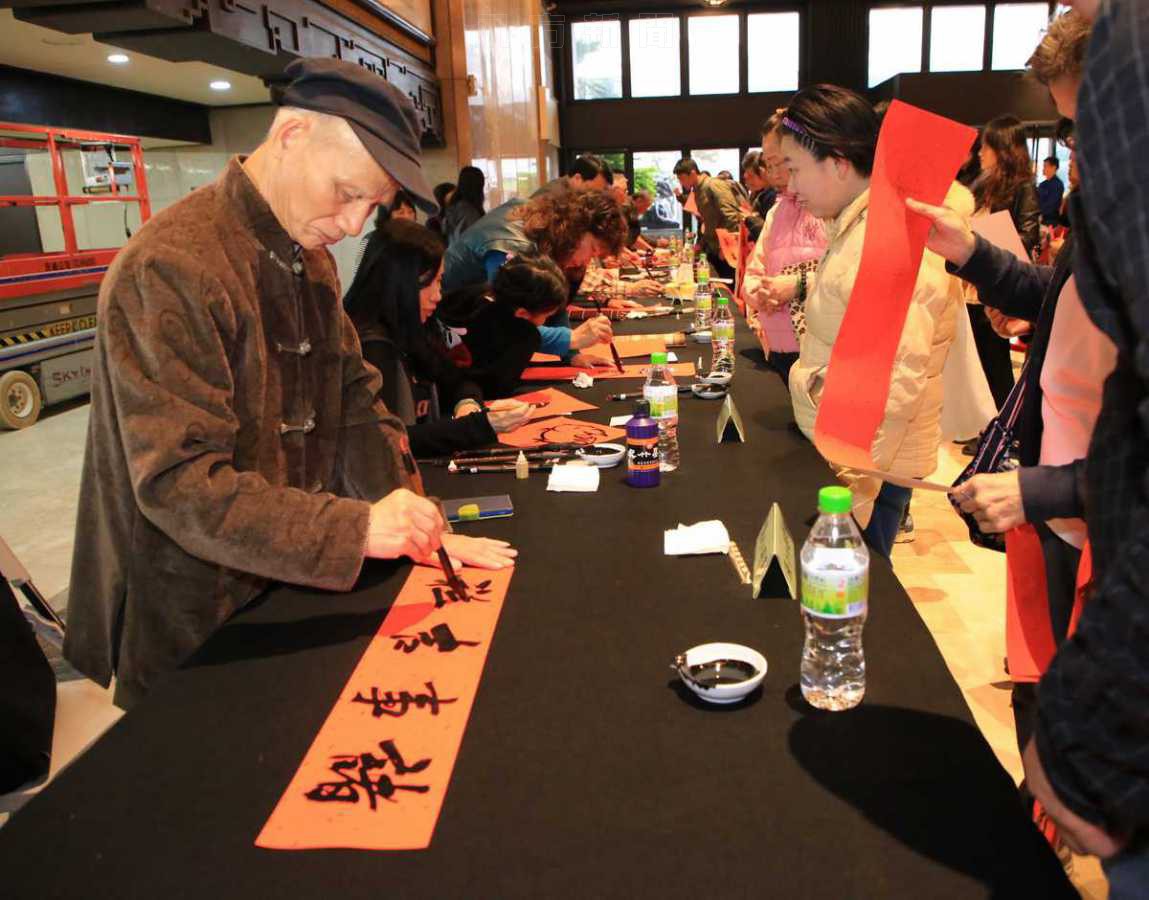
(1051, 492)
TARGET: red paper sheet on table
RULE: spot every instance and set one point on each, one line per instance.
(544, 358)
(917, 156)
(629, 345)
(377, 773)
(553, 402)
(565, 373)
(561, 430)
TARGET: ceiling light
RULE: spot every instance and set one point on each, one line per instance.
(118, 59)
(714, 2)
(220, 85)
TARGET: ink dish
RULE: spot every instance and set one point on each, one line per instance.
(719, 672)
(605, 456)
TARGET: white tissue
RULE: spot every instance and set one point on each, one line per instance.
(582, 380)
(703, 537)
(574, 477)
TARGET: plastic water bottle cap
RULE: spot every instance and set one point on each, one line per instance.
(723, 301)
(469, 512)
(835, 500)
(658, 359)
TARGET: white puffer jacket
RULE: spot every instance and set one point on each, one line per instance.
(906, 442)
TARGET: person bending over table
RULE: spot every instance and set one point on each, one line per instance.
(235, 435)
(571, 227)
(829, 136)
(500, 322)
(393, 297)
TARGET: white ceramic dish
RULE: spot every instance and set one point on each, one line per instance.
(604, 460)
(720, 378)
(707, 391)
(723, 693)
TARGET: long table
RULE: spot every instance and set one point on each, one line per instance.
(586, 770)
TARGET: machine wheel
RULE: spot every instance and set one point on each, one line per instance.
(20, 400)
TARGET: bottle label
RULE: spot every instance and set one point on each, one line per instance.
(702, 301)
(723, 330)
(663, 400)
(835, 594)
(642, 454)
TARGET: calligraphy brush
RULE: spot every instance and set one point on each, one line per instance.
(455, 469)
(457, 584)
(514, 451)
(613, 349)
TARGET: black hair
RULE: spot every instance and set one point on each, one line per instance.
(472, 181)
(1053, 161)
(589, 167)
(996, 188)
(442, 192)
(685, 166)
(401, 258)
(753, 161)
(531, 281)
(831, 121)
(384, 213)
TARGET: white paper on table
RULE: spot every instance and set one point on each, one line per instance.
(702, 537)
(671, 356)
(620, 421)
(999, 230)
(578, 478)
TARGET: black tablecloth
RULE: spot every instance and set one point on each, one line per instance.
(586, 770)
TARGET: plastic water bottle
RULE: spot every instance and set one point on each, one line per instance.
(835, 590)
(703, 298)
(722, 337)
(642, 435)
(661, 391)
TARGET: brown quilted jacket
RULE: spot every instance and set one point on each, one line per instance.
(235, 436)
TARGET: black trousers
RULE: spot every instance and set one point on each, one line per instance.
(993, 352)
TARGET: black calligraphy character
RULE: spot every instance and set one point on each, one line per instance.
(440, 636)
(356, 773)
(445, 593)
(390, 704)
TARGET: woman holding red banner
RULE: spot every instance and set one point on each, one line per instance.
(829, 139)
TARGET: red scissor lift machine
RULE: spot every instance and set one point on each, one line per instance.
(78, 197)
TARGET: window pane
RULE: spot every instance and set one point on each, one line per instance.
(655, 65)
(772, 49)
(654, 172)
(895, 42)
(714, 50)
(1017, 29)
(597, 55)
(957, 38)
(715, 161)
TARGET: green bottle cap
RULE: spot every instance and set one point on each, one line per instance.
(723, 301)
(658, 359)
(835, 500)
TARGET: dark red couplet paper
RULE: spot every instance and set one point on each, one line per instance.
(918, 155)
(377, 773)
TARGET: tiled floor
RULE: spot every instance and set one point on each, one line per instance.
(957, 588)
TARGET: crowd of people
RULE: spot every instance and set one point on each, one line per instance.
(449, 313)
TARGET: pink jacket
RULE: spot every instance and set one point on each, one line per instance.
(790, 237)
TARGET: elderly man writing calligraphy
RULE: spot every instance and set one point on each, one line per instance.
(235, 434)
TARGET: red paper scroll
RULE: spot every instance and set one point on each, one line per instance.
(565, 373)
(377, 774)
(918, 154)
(552, 402)
(560, 430)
